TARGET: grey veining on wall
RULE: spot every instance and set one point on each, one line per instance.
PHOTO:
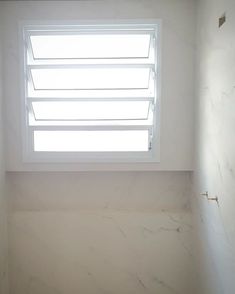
(109, 233)
(101, 252)
(215, 152)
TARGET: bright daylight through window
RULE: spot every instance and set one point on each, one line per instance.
(91, 92)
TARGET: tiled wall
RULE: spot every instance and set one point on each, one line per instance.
(95, 233)
(215, 152)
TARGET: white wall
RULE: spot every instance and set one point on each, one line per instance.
(3, 207)
(96, 233)
(105, 232)
(177, 73)
(215, 156)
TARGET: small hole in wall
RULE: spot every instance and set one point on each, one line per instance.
(222, 20)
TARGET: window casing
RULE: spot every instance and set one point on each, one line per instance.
(91, 92)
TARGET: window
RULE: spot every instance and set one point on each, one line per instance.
(91, 92)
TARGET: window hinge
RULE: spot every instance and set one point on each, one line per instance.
(27, 108)
(153, 106)
(153, 41)
(150, 140)
(153, 73)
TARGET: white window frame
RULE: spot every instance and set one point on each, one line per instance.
(29, 155)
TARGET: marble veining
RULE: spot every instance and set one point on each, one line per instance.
(103, 251)
(215, 145)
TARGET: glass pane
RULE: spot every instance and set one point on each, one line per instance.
(91, 110)
(110, 93)
(90, 78)
(91, 46)
(91, 141)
